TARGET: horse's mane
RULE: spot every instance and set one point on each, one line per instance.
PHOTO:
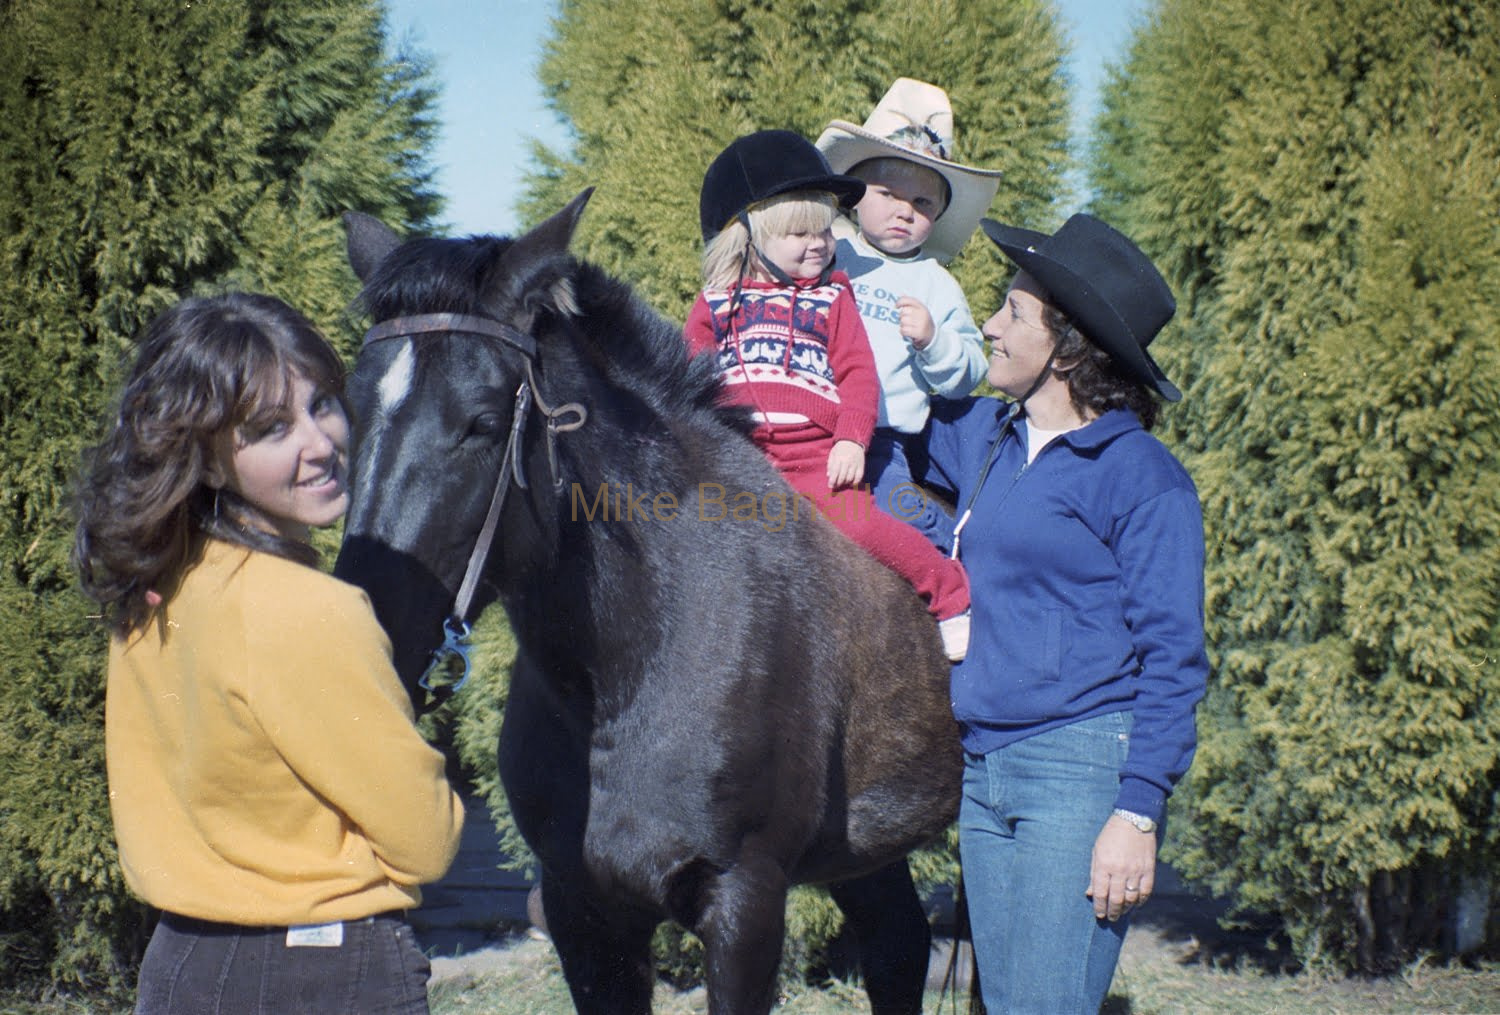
(630, 343)
(432, 275)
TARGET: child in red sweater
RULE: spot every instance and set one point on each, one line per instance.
(790, 344)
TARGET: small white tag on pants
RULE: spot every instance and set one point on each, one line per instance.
(315, 935)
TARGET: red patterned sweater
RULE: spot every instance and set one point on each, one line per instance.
(793, 349)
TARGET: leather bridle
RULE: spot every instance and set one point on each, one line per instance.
(448, 669)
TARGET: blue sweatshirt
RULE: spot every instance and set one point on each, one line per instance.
(1086, 569)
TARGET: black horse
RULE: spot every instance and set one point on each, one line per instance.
(716, 695)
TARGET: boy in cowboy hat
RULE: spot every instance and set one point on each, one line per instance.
(919, 209)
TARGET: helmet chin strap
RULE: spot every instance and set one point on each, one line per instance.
(770, 267)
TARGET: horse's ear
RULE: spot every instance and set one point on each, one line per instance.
(535, 271)
(368, 241)
(553, 235)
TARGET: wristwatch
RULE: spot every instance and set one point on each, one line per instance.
(1140, 821)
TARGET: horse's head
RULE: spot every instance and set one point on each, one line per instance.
(449, 417)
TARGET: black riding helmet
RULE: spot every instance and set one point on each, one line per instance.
(762, 165)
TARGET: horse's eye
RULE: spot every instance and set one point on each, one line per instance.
(486, 424)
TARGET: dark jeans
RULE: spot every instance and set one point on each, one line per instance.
(194, 967)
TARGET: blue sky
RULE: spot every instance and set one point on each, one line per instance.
(486, 55)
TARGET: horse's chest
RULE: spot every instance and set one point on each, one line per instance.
(651, 809)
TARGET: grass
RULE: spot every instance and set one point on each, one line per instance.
(1161, 972)
(1158, 975)
(528, 981)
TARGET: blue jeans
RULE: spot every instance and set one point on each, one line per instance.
(195, 967)
(1030, 814)
(894, 465)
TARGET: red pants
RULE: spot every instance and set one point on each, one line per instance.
(800, 454)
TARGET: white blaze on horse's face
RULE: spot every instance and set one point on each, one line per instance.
(392, 390)
(396, 384)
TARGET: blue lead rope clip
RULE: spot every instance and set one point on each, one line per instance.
(451, 658)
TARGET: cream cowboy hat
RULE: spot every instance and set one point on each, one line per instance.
(913, 121)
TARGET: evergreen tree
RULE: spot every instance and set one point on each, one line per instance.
(653, 92)
(1320, 180)
(147, 150)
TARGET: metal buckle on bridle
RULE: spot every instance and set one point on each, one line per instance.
(451, 658)
(554, 414)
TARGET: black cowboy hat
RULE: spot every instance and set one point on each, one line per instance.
(763, 165)
(1101, 280)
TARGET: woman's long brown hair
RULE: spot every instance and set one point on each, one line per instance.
(201, 368)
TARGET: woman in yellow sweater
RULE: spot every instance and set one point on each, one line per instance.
(269, 790)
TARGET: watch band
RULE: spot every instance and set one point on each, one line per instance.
(1140, 821)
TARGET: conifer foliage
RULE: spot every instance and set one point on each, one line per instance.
(148, 150)
(653, 92)
(1321, 179)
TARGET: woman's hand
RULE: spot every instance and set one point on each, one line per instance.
(846, 465)
(1123, 873)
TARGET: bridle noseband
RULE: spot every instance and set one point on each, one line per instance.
(451, 658)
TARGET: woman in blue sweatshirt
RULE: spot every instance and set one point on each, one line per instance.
(1083, 539)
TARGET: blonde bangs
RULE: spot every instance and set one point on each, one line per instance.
(802, 211)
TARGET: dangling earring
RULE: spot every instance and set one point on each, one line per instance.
(217, 489)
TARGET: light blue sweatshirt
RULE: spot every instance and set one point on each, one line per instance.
(952, 366)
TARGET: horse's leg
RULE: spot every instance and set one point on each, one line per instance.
(606, 961)
(891, 934)
(741, 921)
(544, 766)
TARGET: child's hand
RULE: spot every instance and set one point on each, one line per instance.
(846, 465)
(916, 322)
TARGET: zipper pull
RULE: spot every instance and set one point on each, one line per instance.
(958, 531)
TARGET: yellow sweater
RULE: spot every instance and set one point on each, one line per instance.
(263, 764)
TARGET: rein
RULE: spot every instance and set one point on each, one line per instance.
(448, 669)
